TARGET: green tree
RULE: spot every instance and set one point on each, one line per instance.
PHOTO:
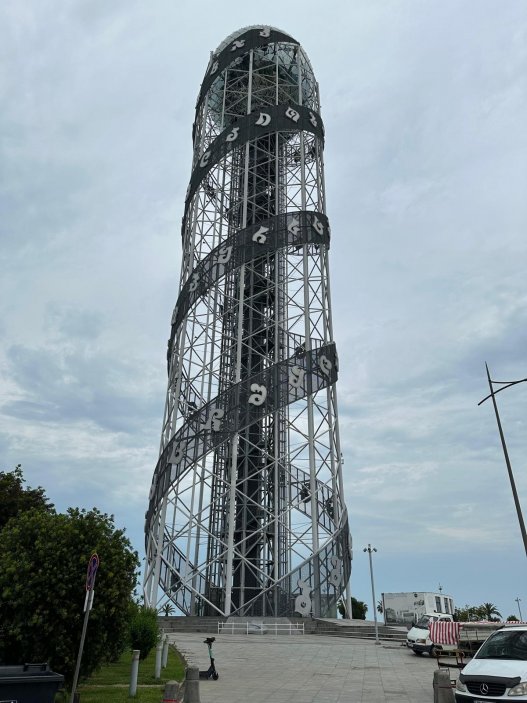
(358, 609)
(144, 630)
(44, 558)
(513, 618)
(380, 608)
(471, 613)
(467, 614)
(16, 499)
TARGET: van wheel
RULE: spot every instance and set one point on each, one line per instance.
(434, 651)
(418, 654)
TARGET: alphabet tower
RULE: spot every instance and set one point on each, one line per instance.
(246, 512)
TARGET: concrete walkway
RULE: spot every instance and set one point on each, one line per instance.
(308, 669)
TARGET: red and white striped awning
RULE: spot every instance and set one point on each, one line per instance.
(445, 632)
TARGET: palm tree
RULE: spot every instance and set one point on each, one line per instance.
(489, 610)
(167, 609)
(380, 609)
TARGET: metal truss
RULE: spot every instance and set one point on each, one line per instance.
(246, 512)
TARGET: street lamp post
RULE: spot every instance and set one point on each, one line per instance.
(519, 609)
(371, 549)
(504, 385)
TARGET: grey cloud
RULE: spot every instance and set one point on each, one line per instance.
(69, 387)
(71, 323)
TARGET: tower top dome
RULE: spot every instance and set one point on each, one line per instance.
(228, 40)
(242, 30)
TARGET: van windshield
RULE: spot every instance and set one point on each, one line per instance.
(505, 644)
(424, 622)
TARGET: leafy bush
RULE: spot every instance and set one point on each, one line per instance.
(44, 557)
(144, 630)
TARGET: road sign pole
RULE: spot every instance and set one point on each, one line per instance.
(88, 604)
(81, 646)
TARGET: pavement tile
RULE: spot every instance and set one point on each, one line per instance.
(308, 669)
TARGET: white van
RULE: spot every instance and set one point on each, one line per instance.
(498, 670)
(418, 638)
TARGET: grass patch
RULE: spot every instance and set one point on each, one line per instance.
(114, 694)
(119, 672)
(110, 684)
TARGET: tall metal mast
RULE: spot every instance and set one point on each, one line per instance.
(246, 512)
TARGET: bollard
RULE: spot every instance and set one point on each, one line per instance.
(172, 693)
(443, 692)
(164, 658)
(159, 648)
(134, 672)
(192, 685)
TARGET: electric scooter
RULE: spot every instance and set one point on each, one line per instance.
(211, 672)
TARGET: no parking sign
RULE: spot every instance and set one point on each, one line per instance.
(93, 565)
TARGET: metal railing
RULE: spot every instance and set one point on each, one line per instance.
(251, 628)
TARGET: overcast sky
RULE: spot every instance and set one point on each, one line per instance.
(425, 107)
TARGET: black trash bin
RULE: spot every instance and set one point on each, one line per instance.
(29, 683)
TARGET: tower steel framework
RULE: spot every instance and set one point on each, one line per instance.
(246, 511)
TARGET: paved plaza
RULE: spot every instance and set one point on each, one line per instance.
(308, 669)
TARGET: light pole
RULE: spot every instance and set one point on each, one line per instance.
(371, 549)
(504, 385)
(519, 609)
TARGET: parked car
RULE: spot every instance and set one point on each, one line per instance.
(498, 670)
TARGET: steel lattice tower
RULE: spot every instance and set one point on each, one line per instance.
(246, 512)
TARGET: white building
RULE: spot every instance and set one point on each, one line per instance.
(405, 608)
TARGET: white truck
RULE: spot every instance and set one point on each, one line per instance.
(418, 637)
(407, 608)
(437, 634)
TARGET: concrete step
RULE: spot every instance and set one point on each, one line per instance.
(362, 630)
(362, 635)
(174, 623)
(319, 626)
(359, 631)
(184, 623)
